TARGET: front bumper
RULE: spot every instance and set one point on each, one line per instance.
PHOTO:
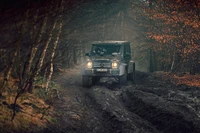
(105, 73)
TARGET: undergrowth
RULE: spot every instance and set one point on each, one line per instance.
(32, 110)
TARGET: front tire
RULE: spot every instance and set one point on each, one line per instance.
(131, 77)
(86, 81)
(95, 80)
(123, 79)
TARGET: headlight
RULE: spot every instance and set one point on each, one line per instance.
(114, 65)
(89, 64)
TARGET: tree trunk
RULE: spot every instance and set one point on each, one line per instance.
(173, 60)
(41, 59)
(9, 69)
(150, 60)
(74, 55)
(16, 56)
(52, 56)
(122, 25)
(34, 48)
(150, 50)
(154, 61)
(192, 69)
(55, 46)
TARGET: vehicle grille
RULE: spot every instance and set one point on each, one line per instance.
(104, 64)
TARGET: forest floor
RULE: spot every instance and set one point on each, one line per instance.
(156, 103)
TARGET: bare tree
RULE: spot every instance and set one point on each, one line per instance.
(18, 44)
(55, 45)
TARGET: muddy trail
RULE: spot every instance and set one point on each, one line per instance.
(151, 105)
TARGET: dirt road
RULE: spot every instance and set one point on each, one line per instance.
(152, 105)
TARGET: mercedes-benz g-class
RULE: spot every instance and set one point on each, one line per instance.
(108, 59)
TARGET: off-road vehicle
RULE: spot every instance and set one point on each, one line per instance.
(108, 59)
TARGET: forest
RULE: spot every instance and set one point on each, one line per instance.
(39, 38)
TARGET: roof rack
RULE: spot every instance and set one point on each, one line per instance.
(109, 42)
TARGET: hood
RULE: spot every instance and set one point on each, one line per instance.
(106, 57)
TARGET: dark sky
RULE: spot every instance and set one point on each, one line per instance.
(8, 4)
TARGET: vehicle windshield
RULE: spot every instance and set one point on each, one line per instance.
(103, 49)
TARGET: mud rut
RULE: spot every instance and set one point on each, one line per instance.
(149, 106)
